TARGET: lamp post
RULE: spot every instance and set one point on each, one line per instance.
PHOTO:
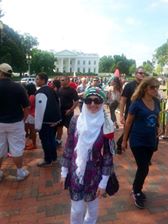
(28, 59)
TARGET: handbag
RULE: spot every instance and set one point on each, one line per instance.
(112, 185)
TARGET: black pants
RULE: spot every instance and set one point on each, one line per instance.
(47, 137)
(80, 105)
(120, 139)
(142, 157)
(113, 106)
(66, 119)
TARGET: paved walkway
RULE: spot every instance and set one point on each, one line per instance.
(40, 200)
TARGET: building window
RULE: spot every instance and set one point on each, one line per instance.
(70, 62)
(83, 62)
(89, 70)
(94, 62)
(83, 70)
(78, 62)
(70, 69)
(78, 69)
(94, 70)
(89, 62)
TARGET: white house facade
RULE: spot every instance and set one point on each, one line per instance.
(72, 61)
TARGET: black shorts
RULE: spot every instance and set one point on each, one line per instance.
(66, 119)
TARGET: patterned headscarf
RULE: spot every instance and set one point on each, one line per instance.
(95, 91)
(88, 128)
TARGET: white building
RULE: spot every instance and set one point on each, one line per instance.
(72, 61)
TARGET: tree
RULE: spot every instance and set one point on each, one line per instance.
(42, 61)
(29, 42)
(105, 64)
(11, 50)
(123, 64)
(158, 69)
(148, 67)
(132, 68)
(109, 64)
(14, 47)
(161, 55)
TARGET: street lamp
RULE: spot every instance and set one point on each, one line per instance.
(28, 59)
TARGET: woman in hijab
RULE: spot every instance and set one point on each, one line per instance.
(87, 158)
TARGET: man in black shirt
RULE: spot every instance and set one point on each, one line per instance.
(125, 100)
(13, 110)
(69, 101)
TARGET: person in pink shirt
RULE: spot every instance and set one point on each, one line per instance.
(29, 123)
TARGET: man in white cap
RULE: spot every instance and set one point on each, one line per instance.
(13, 110)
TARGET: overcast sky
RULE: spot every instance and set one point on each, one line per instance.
(107, 27)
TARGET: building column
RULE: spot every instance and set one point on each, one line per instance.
(97, 70)
(68, 67)
(97, 66)
(75, 65)
(61, 64)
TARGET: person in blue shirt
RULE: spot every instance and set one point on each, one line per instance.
(141, 128)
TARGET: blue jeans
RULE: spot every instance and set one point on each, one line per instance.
(47, 137)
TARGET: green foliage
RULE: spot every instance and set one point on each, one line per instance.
(132, 68)
(11, 50)
(148, 67)
(161, 55)
(108, 64)
(42, 61)
(28, 42)
(14, 48)
(158, 69)
(105, 64)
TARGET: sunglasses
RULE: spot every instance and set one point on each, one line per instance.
(95, 101)
(141, 73)
(62, 80)
(154, 87)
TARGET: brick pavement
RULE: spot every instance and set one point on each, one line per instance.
(40, 200)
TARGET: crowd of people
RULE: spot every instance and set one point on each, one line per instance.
(87, 159)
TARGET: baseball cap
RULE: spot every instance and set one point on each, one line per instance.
(6, 68)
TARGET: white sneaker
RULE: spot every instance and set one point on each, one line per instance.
(22, 175)
(1, 175)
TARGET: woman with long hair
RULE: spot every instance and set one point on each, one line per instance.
(113, 96)
(142, 129)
